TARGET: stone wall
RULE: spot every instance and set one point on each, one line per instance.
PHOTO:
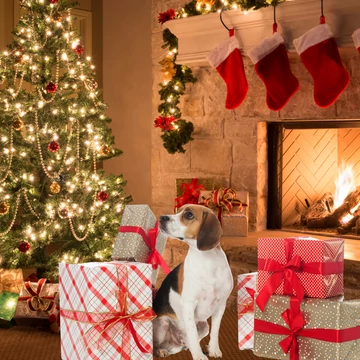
(230, 146)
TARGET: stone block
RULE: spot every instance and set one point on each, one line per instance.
(243, 128)
(245, 153)
(192, 105)
(163, 196)
(208, 127)
(244, 177)
(347, 106)
(175, 163)
(155, 167)
(158, 53)
(213, 157)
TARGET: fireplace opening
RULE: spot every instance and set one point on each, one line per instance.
(314, 177)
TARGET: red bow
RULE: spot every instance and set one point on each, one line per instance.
(190, 195)
(35, 301)
(296, 322)
(104, 325)
(154, 257)
(247, 307)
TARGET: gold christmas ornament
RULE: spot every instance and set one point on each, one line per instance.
(17, 124)
(4, 208)
(104, 150)
(55, 188)
(91, 84)
(205, 2)
(168, 68)
(57, 17)
(63, 213)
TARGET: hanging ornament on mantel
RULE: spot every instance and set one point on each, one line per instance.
(17, 124)
(4, 208)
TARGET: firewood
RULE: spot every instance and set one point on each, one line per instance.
(318, 209)
(346, 228)
(334, 219)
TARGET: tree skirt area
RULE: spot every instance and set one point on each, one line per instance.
(20, 343)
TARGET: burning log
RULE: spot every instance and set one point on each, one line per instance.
(348, 227)
(333, 220)
(319, 209)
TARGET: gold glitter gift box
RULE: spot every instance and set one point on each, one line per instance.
(131, 246)
(326, 320)
(234, 222)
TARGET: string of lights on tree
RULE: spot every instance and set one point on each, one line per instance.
(53, 135)
(177, 132)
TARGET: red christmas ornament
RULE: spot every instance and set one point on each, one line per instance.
(53, 1)
(79, 49)
(54, 146)
(164, 123)
(102, 196)
(51, 88)
(24, 246)
(166, 16)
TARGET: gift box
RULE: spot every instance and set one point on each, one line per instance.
(36, 303)
(301, 266)
(106, 311)
(139, 239)
(10, 286)
(231, 207)
(246, 290)
(320, 329)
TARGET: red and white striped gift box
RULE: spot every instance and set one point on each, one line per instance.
(92, 325)
(246, 310)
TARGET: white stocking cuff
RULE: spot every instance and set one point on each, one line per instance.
(221, 52)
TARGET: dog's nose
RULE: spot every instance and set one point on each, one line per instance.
(164, 218)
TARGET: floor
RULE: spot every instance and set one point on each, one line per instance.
(352, 246)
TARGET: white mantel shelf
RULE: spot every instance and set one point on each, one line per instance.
(200, 34)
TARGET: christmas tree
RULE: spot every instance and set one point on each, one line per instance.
(56, 204)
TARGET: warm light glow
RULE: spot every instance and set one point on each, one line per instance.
(345, 184)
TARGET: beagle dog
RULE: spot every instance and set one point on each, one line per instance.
(195, 290)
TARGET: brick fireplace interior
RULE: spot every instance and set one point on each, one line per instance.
(305, 159)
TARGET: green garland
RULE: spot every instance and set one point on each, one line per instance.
(180, 131)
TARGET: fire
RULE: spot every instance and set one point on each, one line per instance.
(345, 184)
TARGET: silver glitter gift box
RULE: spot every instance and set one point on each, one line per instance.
(130, 245)
(329, 314)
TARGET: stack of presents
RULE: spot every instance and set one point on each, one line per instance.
(293, 307)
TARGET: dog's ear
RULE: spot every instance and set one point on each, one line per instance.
(210, 232)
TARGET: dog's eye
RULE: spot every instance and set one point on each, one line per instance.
(188, 215)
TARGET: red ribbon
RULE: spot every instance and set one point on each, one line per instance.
(154, 257)
(190, 195)
(296, 322)
(103, 323)
(247, 307)
(287, 273)
(35, 301)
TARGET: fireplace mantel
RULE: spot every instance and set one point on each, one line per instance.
(199, 34)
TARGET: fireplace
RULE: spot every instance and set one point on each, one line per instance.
(305, 159)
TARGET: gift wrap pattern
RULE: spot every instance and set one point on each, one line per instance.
(43, 300)
(310, 250)
(131, 246)
(246, 310)
(318, 314)
(89, 296)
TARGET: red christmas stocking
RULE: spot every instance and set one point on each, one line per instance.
(320, 55)
(227, 60)
(356, 38)
(273, 67)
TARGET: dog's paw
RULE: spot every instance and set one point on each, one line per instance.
(214, 352)
(200, 357)
(161, 353)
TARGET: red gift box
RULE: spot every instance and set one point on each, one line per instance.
(300, 266)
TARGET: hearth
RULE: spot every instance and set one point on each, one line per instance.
(306, 159)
